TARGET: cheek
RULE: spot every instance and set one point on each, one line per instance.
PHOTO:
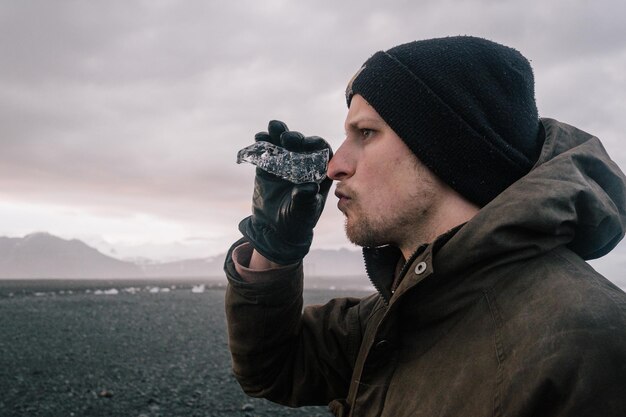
(381, 191)
(386, 174)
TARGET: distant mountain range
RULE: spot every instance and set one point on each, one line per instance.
(42, 255)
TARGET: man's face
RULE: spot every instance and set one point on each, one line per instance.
(384, 191)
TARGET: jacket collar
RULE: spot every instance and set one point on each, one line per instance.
(386, 268)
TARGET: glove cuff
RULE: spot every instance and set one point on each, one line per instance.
(269, 244)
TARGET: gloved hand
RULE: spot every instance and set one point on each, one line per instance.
(283, 213)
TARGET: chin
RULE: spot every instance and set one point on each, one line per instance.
(362, 235)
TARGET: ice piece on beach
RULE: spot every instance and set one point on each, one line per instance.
(198, 289)
(111, 291)
(296, 167)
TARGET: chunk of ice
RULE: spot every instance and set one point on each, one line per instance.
(198, 289)
(296, 167)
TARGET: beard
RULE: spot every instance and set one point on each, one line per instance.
(386, 220)
(380, 230)
(364, 233)
(397, 226)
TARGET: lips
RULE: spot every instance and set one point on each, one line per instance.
(341, 193)
(343, 197)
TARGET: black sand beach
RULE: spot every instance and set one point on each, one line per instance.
(122, 348)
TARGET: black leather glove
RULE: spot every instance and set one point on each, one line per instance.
(283, 213)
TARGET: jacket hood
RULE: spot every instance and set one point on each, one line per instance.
(574, 196)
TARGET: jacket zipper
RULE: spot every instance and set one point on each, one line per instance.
(374, 283)
(387, 297)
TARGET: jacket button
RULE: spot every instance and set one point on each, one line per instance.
(420, 268)
(378, 355)
(382, 345)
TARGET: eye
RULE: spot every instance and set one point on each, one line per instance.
(366, 133)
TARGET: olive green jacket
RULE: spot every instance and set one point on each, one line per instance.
(499, 317)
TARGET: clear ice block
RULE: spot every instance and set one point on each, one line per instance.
(296, 167)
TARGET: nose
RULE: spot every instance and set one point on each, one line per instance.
(340, 166)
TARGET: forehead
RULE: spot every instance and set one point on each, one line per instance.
(361, 111)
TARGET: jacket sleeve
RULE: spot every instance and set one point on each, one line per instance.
(284, 354)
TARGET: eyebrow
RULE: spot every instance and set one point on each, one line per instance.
(354, 123)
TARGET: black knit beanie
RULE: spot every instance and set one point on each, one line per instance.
(464, 105)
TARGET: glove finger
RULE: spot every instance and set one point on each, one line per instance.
(315, 143)
(325, 186)
(302, 195)
(296, 142)
(276, 128)
(307, 208)
(292, 141)
(262, 137)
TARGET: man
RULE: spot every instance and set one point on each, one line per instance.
(476, 217)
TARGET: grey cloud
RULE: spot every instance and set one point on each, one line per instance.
(141, 106)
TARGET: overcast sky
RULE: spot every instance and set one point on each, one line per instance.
(120, 120)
